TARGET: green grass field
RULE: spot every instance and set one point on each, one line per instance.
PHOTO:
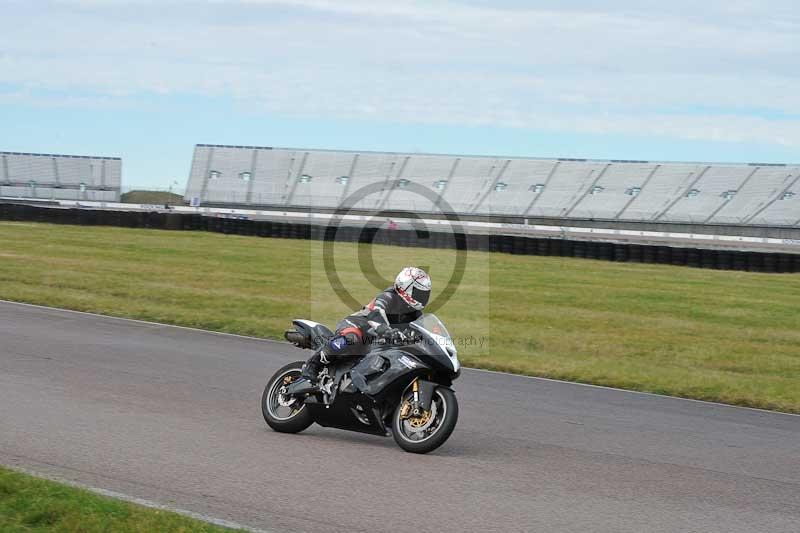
(151, 197)
(32, 504)
(715, 335)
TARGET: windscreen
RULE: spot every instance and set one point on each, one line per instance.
(435, 332)
(432, 324)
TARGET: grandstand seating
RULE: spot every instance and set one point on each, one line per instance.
(613, 187)
(59, 177)
(762, 199)
(471, 178)
(705, 193)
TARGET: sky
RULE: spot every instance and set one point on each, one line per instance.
(146, 80)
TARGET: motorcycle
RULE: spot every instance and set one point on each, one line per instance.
(399, 387)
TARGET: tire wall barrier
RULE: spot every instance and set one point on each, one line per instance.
(620, 252)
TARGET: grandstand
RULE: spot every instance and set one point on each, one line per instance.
(59, 177)
(620, 193)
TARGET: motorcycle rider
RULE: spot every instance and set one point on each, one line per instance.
(399, 304)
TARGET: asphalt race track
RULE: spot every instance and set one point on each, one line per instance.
(173, 415)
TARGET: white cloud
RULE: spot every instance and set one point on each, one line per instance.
(713, 70)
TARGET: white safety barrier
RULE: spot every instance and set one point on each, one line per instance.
(529, 230)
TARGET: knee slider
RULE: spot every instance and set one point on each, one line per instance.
(338, 344)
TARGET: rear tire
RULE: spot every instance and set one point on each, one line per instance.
(446, 419)
(282, 418)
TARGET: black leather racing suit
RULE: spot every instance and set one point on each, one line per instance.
(352, 339)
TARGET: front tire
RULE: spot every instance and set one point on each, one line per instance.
(418, 436)
(292, 418)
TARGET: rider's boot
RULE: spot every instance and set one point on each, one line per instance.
(314, 366)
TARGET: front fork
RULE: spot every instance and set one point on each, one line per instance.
(421, 397)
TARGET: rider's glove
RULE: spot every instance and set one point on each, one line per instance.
(382, 330)
(396, 336)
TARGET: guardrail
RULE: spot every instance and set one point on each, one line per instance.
(552, 244)
(627, 236)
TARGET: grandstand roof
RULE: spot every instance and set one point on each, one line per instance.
(495, 156)
(63, 155)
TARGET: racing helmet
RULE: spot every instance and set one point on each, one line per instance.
(414, 287)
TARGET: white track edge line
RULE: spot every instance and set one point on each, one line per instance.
(138, 501)
(577, 383)
(652, 394)
(139, 321)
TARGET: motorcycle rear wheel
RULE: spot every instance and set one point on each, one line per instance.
(444, 409)
(282, 418)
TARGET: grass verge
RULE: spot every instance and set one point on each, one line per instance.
(723, 336)
(28, 503)
(151, 197)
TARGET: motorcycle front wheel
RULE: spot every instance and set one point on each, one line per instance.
(284, 414)
(429, 430)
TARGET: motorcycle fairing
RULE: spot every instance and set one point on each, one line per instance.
(363, 409)
(313, 333)
(378, 373)
(342, 414)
